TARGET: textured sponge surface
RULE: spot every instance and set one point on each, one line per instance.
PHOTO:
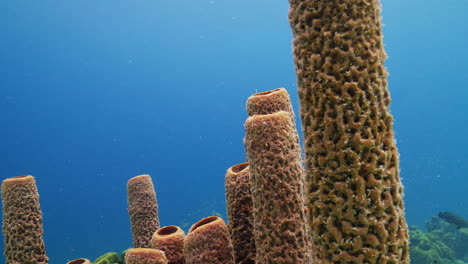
(280, 223)
(208, 241)
(145, 256)
(269, 102)
(22, 221)
(143, 210)
(170, 239)
(239, 211)
(355, 195)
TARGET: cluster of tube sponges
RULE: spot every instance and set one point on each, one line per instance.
(345, 206)
(207, 240)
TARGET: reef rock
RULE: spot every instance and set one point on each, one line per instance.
(427, 248)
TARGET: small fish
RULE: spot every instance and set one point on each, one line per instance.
(454, 219)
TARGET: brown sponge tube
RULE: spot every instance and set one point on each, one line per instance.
(239, 211)
(269, 102)
(143, 210)
(145, 256)
(208, 242)
(22, 221)
(280, 222)
(80, 261)
(170, 239)
(355, 194)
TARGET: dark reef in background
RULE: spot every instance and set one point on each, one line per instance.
(455, 219)
(444, 242)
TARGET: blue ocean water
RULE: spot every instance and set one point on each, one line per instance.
(93, 93)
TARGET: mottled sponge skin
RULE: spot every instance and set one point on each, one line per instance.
(80, 261)
(22, 221)
(145, 256)
(269, 102)
(170, 239)
(208, 242)
(355, 203)
(239, 211)
(143, 210)
(280, 222)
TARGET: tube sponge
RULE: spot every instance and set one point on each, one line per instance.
(269, 102)
(22, 221)
(80, 261)
(143, 210)
(145, 256)
(239, 211)
(355, 194)
(170, 239)
(280, 222)
(208, 242)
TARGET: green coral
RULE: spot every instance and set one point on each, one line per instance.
(427, 248)
(123, 256)
(461, 248)
(456, 239)
(443, 231)
(109, 258)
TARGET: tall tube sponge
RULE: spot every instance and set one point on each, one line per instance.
(355, 193)
(22, 221)
(280, 222)
(239, 212)
(143, 210)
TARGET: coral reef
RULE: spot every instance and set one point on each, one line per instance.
(145, 256)
(143, 210)
(280, 222)
(355, 193)
(170, 240)
(450, 234)
(239, 212)
(208, 242)
(443, 243)
(109, 258)
(426, 248)
(22, 221)
(454, 219)
(80, 261)
(461, 250)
